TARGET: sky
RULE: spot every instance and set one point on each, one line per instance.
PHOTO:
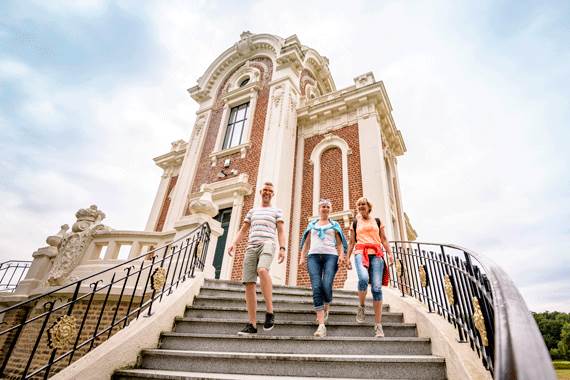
(92, 90)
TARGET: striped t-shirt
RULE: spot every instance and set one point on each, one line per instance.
(263, 224)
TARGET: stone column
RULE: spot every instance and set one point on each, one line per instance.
(276, 163)
(202, 211)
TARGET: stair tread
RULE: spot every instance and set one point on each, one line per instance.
(296, 323)
(281, 290)
(277, 300)
(291, 357)
(369, 311)
(297, 338)
(183, 375)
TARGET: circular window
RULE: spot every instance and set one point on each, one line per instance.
(244, 82)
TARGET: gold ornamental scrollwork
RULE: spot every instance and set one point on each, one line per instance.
(423, 275)
(158, 278)
(448, 289)
(63, 332)
(399, 270)
(479, 321)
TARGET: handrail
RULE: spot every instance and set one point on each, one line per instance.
(11, 273)
(480, 300)
(52, 329)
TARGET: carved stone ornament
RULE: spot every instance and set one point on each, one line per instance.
(158, 278)
(73, 246)
(423, 275)
(448, 289)
(479, 321)
(63, 332)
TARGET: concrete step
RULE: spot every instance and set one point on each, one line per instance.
(292, 328)
(217, 284)
(278, 303)
(353, 366)
(284, 296)
(157, 374)
(298, 345)
(285, 314)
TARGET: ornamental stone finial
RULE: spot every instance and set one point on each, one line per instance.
(205, 204)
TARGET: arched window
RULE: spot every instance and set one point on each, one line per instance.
(244, 82)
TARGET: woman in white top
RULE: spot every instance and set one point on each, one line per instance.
(326, 245)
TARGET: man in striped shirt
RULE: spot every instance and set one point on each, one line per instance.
(264, 224)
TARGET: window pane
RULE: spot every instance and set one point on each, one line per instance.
(238, 128)
(232, 118)
(241, 113)
(227, 138)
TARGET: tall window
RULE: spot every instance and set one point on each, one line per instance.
(236, 125)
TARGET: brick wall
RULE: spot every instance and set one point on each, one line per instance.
(165, 204)
(29, 335)
(331, 185)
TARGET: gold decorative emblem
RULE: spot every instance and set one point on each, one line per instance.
(63, 332)
(158, 278)
(448, 289)
(399, 270)
(423, 275)
(479, 321)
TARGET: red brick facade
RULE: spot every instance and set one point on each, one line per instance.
(165, 204)
(330, 185)
(205, 173)
(28, 337)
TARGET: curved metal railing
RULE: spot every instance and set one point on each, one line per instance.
(480, 300)
(11, 273)
(47, 332)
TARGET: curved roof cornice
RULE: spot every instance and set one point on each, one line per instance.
(249, 45)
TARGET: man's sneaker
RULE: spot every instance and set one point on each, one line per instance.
(378, 331)
(269, 321)
(360, 314)
(321, 331)
(249, 329)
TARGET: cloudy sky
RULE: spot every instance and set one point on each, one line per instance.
(91, 91)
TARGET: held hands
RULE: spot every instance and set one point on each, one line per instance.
(341, 260)
(348, 264)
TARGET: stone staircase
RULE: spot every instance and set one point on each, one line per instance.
(204, 343)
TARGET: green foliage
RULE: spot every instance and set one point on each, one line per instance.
(555, 329)
(561, 364)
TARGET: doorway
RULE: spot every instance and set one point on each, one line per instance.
(223, 217)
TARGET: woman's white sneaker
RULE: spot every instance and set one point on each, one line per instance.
(360, 314)
(321, 331)
(378, 331)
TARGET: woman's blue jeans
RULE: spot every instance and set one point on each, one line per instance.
(372, 274)
(322, 269)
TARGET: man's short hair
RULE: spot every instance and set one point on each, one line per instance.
(267, 183)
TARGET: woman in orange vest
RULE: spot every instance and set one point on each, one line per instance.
(370, 246)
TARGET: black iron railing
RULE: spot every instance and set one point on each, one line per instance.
(46, 333)
(478, 298)
(11, 273)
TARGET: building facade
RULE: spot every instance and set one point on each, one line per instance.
(269, 110)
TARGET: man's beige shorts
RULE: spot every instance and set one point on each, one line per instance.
(258, 256)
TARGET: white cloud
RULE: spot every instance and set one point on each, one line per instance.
(484, 166)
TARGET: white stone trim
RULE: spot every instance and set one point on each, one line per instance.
(330, 141)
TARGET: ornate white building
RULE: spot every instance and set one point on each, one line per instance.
(269, 110)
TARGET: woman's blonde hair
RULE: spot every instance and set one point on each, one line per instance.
(364, 199)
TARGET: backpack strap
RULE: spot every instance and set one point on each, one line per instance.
(378, 222)
(354, 227)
